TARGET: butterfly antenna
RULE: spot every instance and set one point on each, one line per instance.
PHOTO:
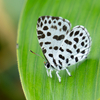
(37, 54)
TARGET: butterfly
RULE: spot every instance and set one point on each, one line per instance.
(61, 46)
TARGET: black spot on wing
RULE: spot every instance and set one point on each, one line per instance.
(68, 50)
(68, 64)
(54, 22)
(85, 40)
(81, 34)
(39, 32)
(67, 60)
(43, 17)
(72, 56)
(52, 66)
(68, 42)
(37, 25)
(62, 57)
(54, 61)
(86, 45)
(58, 37)
(41, 24)
(60, 62)
(41, 43)
(45, 21)
(44, 51)
(76, 59)
(59, 23)
(51, 55)
(74, 46)
(60, 67)
(42, 36)
(83, 51)
(48, 34)
(83, 28)
(39, 20)
(47, 42)
(45, 28)
(49, 21)
(71, 34)
(67, 32)
(50, 47)
(83, 37)
(76, 40)
(55, 48)
(82, 44)
(60, 29)
(63, 20)
(61, 49)
(48, 17)
(78, 50)
(57, 18)
(76, 33)
(64, 28)
(78, 26)
(54, 27)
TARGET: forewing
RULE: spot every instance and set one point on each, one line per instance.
(51, 32)
(75, 47)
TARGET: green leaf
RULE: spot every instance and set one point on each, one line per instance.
(85, 81)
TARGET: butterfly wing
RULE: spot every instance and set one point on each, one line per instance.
(51, 32)
(75, 47)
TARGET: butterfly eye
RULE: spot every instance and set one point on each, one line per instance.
(48, 65)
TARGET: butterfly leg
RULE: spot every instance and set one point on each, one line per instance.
(47, 72)
(68, 72)
(50, 73)
(59, 78)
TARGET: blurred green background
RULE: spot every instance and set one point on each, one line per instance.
(10, 86)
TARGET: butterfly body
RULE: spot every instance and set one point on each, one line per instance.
(61, 46)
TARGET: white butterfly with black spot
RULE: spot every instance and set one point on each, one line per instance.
(61, 46)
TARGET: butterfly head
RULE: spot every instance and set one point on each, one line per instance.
(47, 65)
